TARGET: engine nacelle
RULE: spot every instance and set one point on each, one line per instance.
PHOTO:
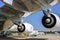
(26, 27)
(51, 23)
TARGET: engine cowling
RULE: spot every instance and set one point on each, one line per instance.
(26, 27)
(51, 23)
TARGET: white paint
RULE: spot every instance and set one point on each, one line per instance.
(8, 2)
(54, 2)
(41, 33)
(13, 28)
(28, 28)
(26, 14)
(35, 32)
(57, 25)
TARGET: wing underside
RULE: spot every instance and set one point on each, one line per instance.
(31, 6)
(9, 11)
(19, 5)
(28, 5)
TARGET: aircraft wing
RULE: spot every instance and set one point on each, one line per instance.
(32, 6)
(29, 5)
(9, 11)
(58, 1)
(15, 7)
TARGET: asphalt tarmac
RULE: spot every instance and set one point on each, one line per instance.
(39, 37)
(6, 38)
(9, 38)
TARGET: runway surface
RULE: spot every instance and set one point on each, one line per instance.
(8, 38)
(39, 37)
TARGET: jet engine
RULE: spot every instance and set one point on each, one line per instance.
(51, 23)
(25, 27)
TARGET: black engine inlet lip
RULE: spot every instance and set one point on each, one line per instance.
(23, 28)
(45, 24)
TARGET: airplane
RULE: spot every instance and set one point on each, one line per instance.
(16, 10)
(34, 33)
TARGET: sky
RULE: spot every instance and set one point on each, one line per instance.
(36, 18)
